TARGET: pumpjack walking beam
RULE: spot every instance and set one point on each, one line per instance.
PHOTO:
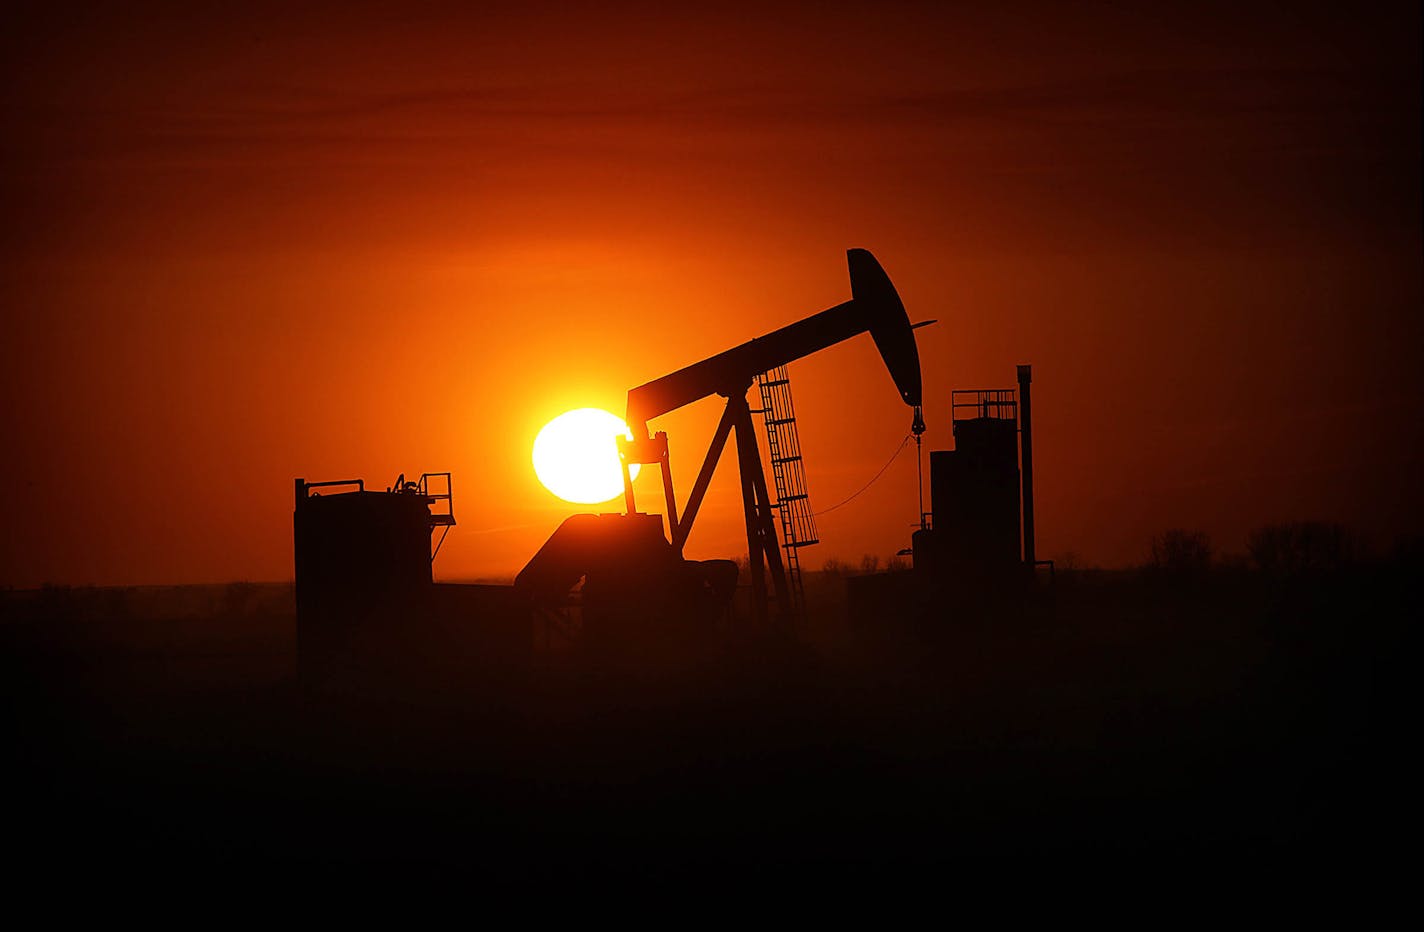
(874, 308)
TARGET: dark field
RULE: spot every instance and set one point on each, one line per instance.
(1113, 718)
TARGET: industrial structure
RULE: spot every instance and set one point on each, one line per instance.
(367, 604)
(618, 585)
(974, 552)
(981, 525)
(874, 308)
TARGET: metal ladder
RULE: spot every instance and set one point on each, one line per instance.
(798, 524)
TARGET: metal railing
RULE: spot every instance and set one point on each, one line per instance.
(1001, 403)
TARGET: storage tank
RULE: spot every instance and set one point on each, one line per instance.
(362, 566)
(975, 491)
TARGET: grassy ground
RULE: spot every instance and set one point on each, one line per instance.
(1113, 718)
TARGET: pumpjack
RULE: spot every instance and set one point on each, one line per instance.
(591, 547)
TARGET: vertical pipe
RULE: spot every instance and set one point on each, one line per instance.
(1026, 453)
(663, 465)
(749, 461)
(628, 504)
(766, 532)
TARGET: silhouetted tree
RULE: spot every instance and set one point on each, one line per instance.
(869, 563)
(1301, 547)
(1179, 552)
(834, 568)
(896, 564)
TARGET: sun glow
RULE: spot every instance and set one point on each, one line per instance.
(576, 456)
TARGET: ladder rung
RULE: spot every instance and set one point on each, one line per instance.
(776, 412)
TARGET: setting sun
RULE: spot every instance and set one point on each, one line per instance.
(576, 456)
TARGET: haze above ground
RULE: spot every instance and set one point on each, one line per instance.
(247, 246)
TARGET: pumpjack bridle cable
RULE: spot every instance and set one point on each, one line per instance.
(898, 450)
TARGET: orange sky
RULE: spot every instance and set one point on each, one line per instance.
(240, 250)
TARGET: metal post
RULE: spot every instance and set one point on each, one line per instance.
(661, 440)
(629, 505)
(749, 460)
(704, 477)
(1026, 453)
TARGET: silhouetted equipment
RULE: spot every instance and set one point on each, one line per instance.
(976, 550)
(639, 596)
(361, 542)
(982, 523)
(788, 475)
(874, 308)
(365, 593)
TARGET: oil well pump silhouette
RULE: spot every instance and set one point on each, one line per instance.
(635, 588)
(874, 308)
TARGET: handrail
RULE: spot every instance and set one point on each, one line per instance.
(305, 486)
(1003, 402)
